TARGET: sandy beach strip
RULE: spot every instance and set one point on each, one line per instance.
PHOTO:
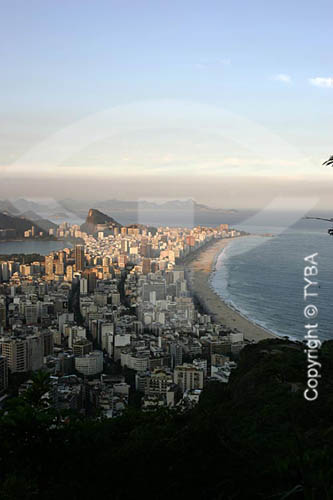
(198, 272)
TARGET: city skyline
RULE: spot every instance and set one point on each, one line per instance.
(166, 249)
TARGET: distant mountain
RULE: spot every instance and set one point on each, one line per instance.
(95, 218)
(23, 205)
(78, 206)
(20, 224)
(152, 213)
(48, 209)
(46, 224)
(30, 214)
(203, 208)
(167, 205)
(7, 206)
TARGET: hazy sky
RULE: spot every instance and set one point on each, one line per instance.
(133, 99)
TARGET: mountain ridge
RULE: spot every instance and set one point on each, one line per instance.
(94, 218)
(19, 224)
(114, 204)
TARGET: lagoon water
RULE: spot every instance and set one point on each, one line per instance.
(33, 246)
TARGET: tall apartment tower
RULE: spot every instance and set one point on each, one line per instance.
(69, 273)
(49, 264)
(62, 257)
(48, 342)
(36, 351)
(3, 374)
(176, 352)
(124, 246)
(5, 273)
(3, 313)
(23, 354)
(146, 266)
(16, 351)
(188, 377)
(79, 258)
(92, 281)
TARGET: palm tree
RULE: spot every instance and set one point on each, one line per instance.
(329, 162)
(40, 386)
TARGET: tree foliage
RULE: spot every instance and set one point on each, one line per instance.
(255, 438)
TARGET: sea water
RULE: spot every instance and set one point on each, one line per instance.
(263, 278)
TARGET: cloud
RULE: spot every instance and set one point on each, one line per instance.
(322, 82)
(282, 77)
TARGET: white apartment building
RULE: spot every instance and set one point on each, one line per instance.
(90, 364)
(138, 362)
(23, 354)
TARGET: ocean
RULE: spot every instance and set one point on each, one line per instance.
(263, 278)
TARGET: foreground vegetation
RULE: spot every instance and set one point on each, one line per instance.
(255, 438)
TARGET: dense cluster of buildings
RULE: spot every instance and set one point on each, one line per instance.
(113, 316)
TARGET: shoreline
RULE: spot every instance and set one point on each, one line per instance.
(199, 272)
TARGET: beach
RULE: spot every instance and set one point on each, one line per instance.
(198, 272)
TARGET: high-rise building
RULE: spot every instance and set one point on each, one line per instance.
(157, 383)
(106, 261)
(23, 354)
(124, 246)
(2, 313)
(145, 249)
(90, 364)
(31, 313)
(79, 258)
(65, 363)
(59, 268)
(5, 273)
(158, 287)
(190, 240)
(201, 364)
(140, 381)
(3, 374)
(188, 377)
(62, 256)
(36, 351)
(115, 297)
(91, 281)
(81, 347)
(145, 266)
(48, 342)
(122, 261)
(69, 273)
(16, 352)
(83, 286)
(176, 352)
(49, 264)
